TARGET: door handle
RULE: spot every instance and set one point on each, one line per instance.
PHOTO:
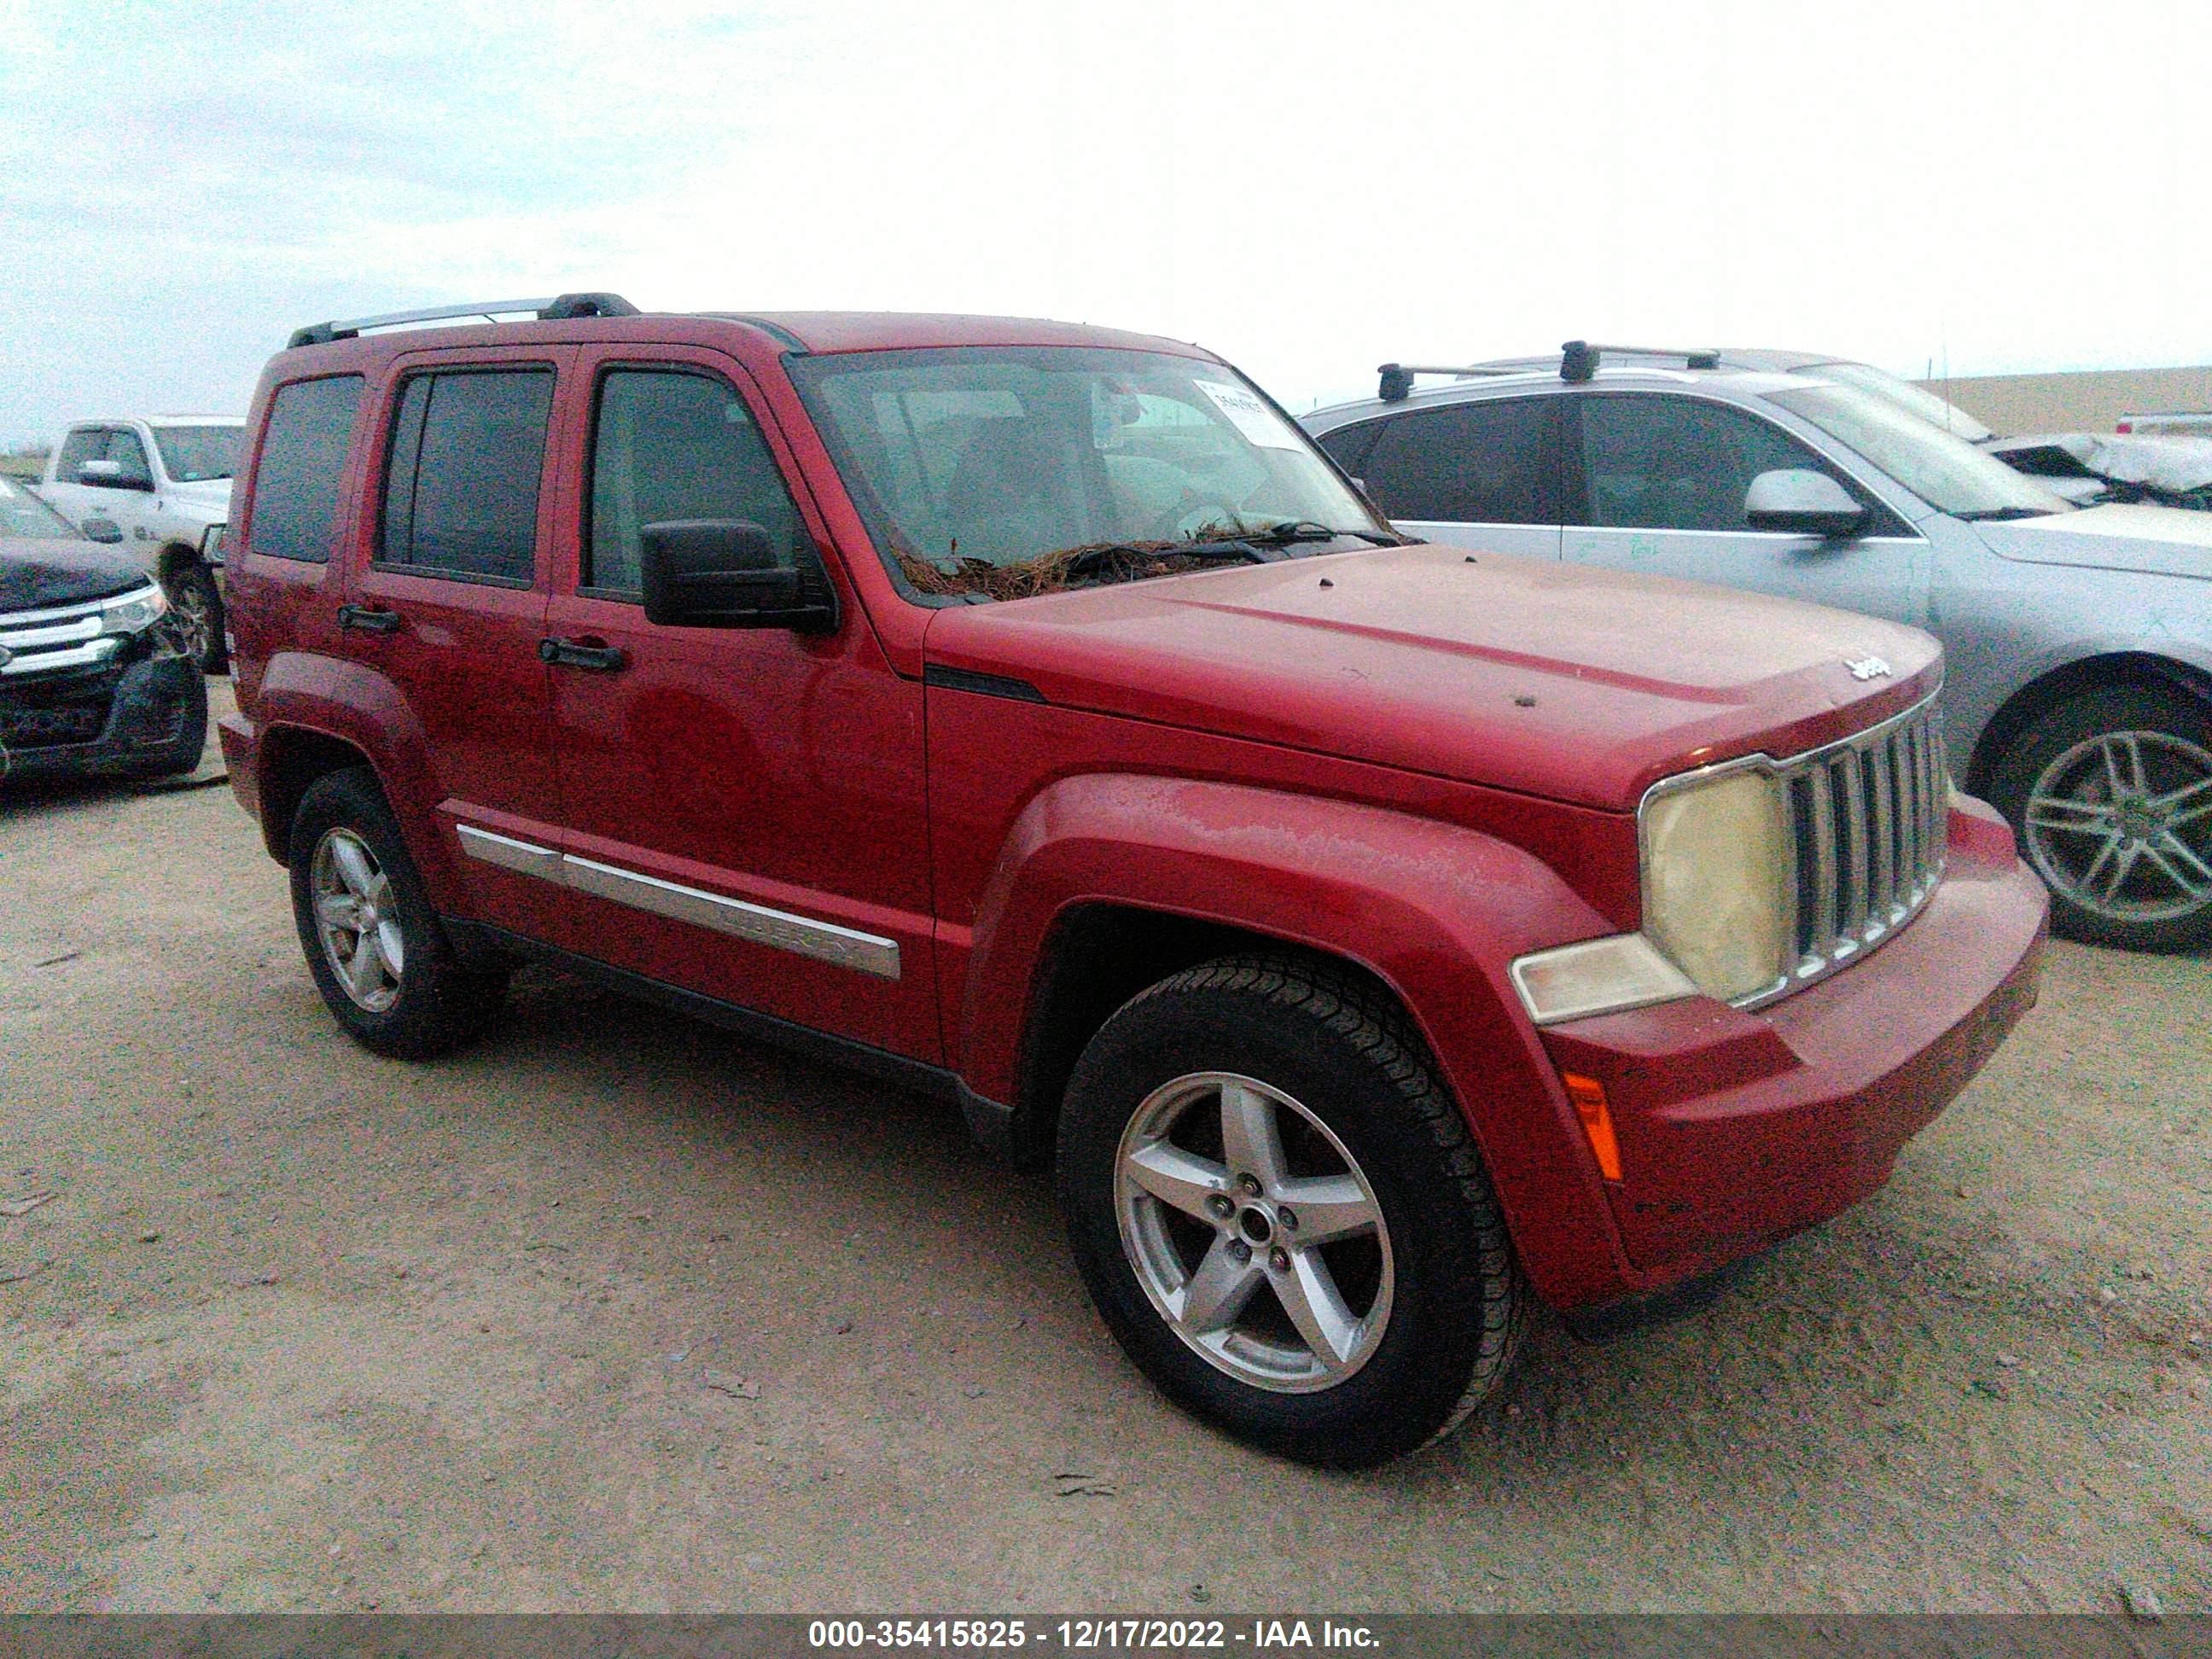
(583, 653)
(366, 621)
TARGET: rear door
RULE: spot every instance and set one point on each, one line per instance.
(744, 807)
(452, 606)
(1659, 482)
(1483, 474)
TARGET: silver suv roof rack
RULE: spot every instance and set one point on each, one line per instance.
(1578, 361)
(1398, 378)
(558, 309)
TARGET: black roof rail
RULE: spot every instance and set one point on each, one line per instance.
(1578, 359)
(560, 308)
(1398, 378)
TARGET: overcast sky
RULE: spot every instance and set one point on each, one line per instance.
(1308, 189)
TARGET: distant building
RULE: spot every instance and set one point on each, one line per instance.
(2090, 400)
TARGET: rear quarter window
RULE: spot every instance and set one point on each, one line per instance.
(295, 488)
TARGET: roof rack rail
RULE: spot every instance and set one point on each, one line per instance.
(1578, 359)
(560, 308)
(1398, 378)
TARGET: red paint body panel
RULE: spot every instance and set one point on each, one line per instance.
(1738, 1129)
(1428, 767)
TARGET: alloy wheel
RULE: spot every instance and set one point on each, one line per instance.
(1254, 1231)
(192, 617)
(2121, 825)
(357, 920)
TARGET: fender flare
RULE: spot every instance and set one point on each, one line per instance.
(346, 703)
(1435, 911)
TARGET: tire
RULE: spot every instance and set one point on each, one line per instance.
(195, 610)
(2110, 794)
(1437, 1303)
(184, 755)
(346, 849)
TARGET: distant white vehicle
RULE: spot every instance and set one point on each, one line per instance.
(2177, 425)
(165, 481)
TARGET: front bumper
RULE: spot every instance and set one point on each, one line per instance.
(1737, 1129)
(123, 719)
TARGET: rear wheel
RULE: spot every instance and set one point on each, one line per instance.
(1277, 1210)
(2110, 794)
(382, 962)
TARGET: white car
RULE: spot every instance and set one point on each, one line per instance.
(166, 482)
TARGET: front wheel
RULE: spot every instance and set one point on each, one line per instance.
(2111, 795)
(197, 608)
(1278, 1212)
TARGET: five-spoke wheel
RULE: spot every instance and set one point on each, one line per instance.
(1254, 1231)
(357, 919)
(379, 954)
(1277, 1207)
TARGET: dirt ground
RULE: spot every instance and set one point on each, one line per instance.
(305, 1328)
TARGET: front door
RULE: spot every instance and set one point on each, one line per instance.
(744, 807)
(452, 606)
(1660, 481)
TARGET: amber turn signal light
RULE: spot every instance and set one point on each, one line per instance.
(1589, 1096)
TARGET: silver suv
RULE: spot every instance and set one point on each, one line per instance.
(2079, 640)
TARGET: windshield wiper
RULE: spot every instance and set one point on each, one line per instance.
(1311, 530)
(1992, 514)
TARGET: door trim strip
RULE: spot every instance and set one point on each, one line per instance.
(780, 930)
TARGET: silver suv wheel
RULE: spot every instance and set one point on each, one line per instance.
(357, 919)
(1253, 1232)
(2121, 825)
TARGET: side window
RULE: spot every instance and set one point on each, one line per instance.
(460, 489)
(1662, 463)
(1348, 445)
(669, 445)
(86, 443)
(123, 446)
(1478, 463)
(303, 452)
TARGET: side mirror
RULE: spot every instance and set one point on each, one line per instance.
(1799, 501)
(722, 573)
(101, 530)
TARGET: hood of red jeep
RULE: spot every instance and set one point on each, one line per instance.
(1555, 680)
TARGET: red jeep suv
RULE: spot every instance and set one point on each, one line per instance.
(1374, 938)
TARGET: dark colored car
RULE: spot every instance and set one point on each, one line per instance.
(1375, 940)
(92, 678)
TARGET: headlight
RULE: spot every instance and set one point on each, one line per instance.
(1716, 855)
(211, 544)
(135, 611)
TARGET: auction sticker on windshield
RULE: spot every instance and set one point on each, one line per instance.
(1258, 422)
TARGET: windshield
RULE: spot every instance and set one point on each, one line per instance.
(1007, 470)
(23, 515)
(1936, 412)
(193, 454)
(1950, 475)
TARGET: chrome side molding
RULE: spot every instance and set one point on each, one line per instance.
(780, 930)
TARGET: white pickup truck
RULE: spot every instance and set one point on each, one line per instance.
(166, 482)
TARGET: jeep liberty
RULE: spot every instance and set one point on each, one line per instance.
(1374, 939)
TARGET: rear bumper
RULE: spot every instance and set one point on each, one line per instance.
(142, 711)
(1738, 1129)
(241, 742)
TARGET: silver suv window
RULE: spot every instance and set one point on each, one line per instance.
(1950, 476)
(1655, 462)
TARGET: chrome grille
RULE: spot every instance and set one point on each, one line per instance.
(1868, 816)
